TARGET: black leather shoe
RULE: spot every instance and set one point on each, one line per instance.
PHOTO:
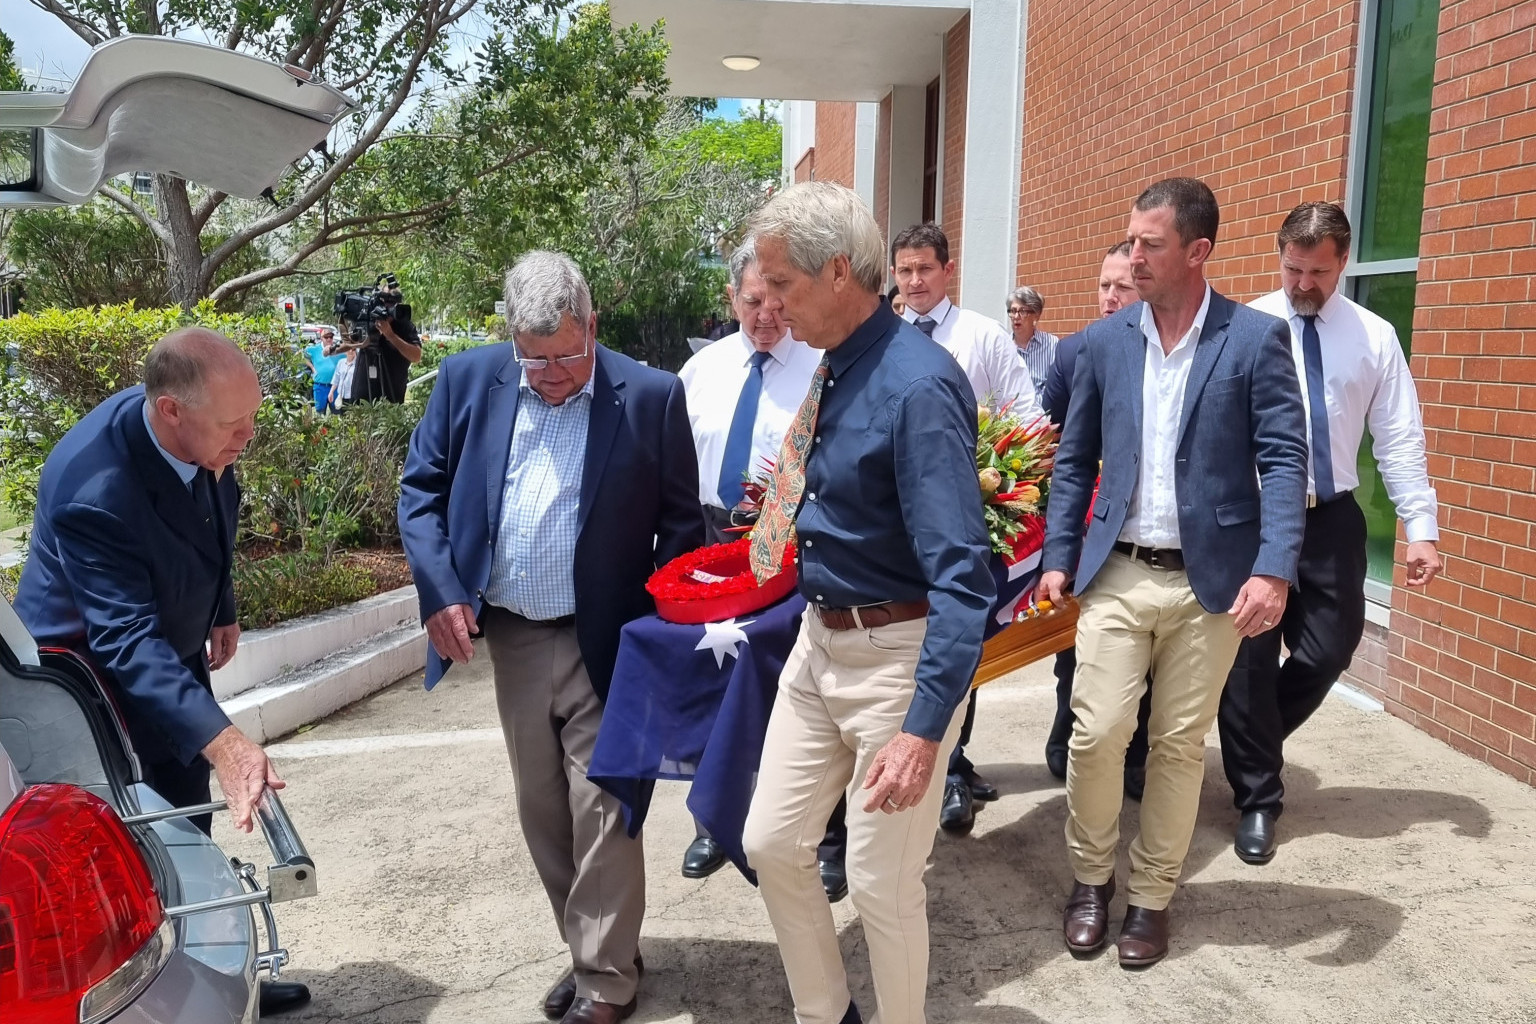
(1056, 762)
(1255, 842)
(281, 996)
(703, 858)
(959, 812)
(1135, 781)
(852, 1016)
(834, 879)
(590, 1011)
(982, 791)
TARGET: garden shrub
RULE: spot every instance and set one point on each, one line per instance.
(294, 583)
(61, 363)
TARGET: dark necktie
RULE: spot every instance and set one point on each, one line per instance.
(202, 494)
(738, 442)
(926, 324)
(1322, 449)
(786, 485)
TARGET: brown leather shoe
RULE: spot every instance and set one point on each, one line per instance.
(1085, 922)
(1143, 937)
(563, 994)
(590, 1011)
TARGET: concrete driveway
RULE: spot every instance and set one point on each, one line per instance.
(1405, 889)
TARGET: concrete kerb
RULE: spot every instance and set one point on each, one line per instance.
(298, 672)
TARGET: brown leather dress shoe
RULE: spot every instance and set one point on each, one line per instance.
(1085, 922)
(590, 1011)
(563, 994)
(1143, 937)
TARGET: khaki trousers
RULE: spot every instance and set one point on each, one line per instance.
(592, 871)
(1134, 617)
(843, 694)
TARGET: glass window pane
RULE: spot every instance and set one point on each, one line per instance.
(15, 157)
(1397, 129)
(1389, 296)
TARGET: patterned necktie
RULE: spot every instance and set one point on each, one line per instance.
(777, 520)
(1317, 402)
(926, 324)
(738, 441)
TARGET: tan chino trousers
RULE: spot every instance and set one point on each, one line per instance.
(1134, 617)
(593, 873)
(843, 694)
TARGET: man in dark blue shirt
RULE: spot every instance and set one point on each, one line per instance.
(878, 474)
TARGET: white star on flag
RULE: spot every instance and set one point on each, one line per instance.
(722, 638)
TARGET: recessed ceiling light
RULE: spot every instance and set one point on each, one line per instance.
(740, 62)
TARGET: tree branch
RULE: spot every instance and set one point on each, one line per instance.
(205, 209)
(289, 267)
(155, 227)
(85, 30)
(152, 17)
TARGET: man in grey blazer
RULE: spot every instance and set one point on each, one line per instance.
(1191, 403)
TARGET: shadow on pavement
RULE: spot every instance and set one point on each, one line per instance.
(364, 992)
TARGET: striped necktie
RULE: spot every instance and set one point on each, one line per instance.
(786, 486)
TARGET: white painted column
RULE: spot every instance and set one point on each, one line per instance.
(994, 131)
(908, 113)
(866, 124)
(799, 133)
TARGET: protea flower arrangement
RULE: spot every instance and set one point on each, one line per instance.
(1013, 464)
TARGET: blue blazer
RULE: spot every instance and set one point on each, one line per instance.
(1242, 425)
(1057, 398)
(639, 492)
(125, 570)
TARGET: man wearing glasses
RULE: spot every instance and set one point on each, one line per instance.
(546, 481)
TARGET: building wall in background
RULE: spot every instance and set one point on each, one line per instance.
(836, 124)
(1252, 96)
(957, 56)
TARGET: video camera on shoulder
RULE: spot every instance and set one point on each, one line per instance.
(360, 309)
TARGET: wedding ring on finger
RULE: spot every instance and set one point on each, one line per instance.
(891, 804)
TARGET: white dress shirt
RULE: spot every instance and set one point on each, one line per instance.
(712, 381)
(987, 354)
(1367, 382)
(1152, 520)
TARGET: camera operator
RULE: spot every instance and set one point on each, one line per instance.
(392, 345)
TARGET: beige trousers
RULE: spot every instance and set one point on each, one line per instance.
(843, 694)
(1135, 617)
(593, 873)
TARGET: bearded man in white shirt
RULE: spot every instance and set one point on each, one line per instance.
(743, 392)
(1352, 356)
(922, 267)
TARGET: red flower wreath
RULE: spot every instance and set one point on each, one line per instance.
(716, 582)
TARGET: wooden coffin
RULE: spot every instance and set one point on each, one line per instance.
(1026, 641)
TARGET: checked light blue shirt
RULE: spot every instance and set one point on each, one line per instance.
(532, 565)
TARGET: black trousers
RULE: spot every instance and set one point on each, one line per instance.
(1061, 727)
(183, 785)
(960, 767)
(1265, 701)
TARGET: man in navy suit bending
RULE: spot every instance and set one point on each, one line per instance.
(1191, 402)
(132, 547)
(546, 481)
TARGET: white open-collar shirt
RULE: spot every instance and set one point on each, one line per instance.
(712, 381)
(987, 354)
(1152, 520)
(1367, 383)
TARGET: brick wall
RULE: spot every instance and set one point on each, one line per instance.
(836, 125)
(883, 168)
(805, 167)
(957, 62)
(1462, 658)
(1252, 96)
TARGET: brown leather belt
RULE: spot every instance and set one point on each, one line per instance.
(871, 615)
(1171, 559)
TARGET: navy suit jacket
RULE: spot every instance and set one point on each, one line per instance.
(639, 492)
(125, 569)
(1242, 425)
(1058, 383)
